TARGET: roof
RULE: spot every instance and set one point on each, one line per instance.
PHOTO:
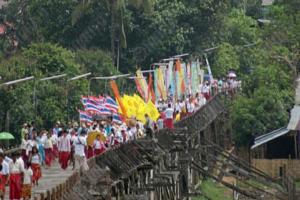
(269, 136)
(294, 120)
(267, 2)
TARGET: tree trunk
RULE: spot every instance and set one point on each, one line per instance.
(7, 119)
(112, 31)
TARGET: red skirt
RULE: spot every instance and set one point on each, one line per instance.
(15, 186)
(99, 151)
(169, 123)
(55, 151)
(207, 96)
(48, 157)
(64, 158)
(90, 152)
(37, 172)
(2, 184)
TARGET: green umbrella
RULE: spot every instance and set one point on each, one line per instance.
(6, 136)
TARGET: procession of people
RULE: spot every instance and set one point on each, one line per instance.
(73, 144)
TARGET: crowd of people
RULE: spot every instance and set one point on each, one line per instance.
(73, 144)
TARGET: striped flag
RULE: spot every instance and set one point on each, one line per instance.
(117, 119)
(111, 104)
(97, 109)
(85, 117)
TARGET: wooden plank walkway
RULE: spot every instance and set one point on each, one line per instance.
(51, 178)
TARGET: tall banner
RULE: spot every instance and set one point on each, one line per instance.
(188, 78)
(179, 79)
(170, 84)
(151, 94)
(141, 81)
(116, 92)
(157, 93)
(161, 83)
(194, 78)
(209, 69)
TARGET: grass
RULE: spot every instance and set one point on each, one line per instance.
(213, 190)
(298, 184)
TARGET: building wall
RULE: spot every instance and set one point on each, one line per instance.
(272, 166)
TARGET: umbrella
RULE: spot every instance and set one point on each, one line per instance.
(6, 136)
(92, 136)
(232, 75)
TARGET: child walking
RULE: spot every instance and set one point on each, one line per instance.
(27, 182)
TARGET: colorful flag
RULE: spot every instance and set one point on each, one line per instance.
(161, 84)
(117, 118)
(115, 89)
(111, 104)
(151, 94)
(101, 110)
(85, 117)
(141, 84)
(170, 85)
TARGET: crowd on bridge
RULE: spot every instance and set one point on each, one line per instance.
(73, 144)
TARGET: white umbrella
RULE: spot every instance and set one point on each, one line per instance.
(231, 75)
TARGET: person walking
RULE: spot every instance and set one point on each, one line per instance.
(80, 144)
(27, 182)
(64, 148)
(169, 117)
(48, 151)
(4, 173)
(35, 161)
(16, 170)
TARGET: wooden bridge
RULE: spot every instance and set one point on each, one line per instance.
(170, 166)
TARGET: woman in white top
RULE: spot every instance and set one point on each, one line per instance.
(48, 151)
(36, 165)
(99, 146)
(25, 147)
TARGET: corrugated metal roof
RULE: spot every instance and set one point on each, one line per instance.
(294, 120)
(269, 136)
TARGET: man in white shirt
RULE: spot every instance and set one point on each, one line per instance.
(80, 144)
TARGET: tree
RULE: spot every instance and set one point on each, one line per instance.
(98, 62)
(226, 59)
(18, 102)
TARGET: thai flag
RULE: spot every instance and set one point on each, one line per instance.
(84, 100)
(97, 109)
(111, 104)
(85, 117)
(117, 119)
(96, 100)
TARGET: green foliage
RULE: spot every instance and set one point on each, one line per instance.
(98, 62)
(226, 59)
(55, 99)
(213, 191)
(239, 29)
